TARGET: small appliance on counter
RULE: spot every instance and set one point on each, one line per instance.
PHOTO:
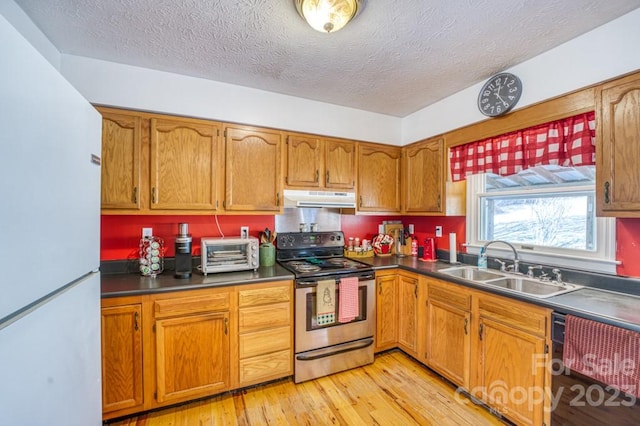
(183, 252)
(228, 254)
(429, 253)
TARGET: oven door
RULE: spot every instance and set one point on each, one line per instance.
(311, 335)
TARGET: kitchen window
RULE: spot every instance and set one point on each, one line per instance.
(547, 212)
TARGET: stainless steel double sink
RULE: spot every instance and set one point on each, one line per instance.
(510, 281)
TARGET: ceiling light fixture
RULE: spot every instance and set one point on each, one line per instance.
(328, 16)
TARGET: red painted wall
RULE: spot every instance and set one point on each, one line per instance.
(120, 235)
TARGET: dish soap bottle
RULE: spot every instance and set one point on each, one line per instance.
(482, 258)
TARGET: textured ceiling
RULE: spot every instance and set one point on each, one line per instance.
(395, 58)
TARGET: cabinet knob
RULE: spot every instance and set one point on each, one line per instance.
(317, 175)
(153, 195)
(327, 178)
(135, 195)
(480, 331)
(606, 192)
(466, 322)
(135, 321)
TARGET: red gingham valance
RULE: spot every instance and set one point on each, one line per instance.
(567, 142)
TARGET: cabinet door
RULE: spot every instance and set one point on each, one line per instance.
(253, 170)
(386, 312)
(407, 313)
(192, 356)
(304, 161)
(618, 150)
(378, 178)
(121, 145)
(424, 177)
(512, 371)
(340, 157)
(184, 164)
(121, 358)
(448, 341)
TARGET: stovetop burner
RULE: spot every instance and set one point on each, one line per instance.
(318, 267)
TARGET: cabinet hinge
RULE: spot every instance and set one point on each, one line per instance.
(546, 348)
(225, 133)
(286, 180)
(154, 328)
(155, 396)
(218, 132)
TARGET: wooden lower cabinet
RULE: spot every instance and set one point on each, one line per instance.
(408, 289)
(192, 345)
(122, 373)
(512, 351)
(386, 310)
(168, 348)
(448, 317)
(265, 328)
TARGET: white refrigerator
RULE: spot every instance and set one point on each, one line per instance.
(49, 243)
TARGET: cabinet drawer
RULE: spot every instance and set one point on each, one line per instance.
(191, 305)
(264, 342)
(515, 314)
(264, 296)
(450, 294)
(261, 317)
(266, 367)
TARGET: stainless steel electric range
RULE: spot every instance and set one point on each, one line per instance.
(323, 344)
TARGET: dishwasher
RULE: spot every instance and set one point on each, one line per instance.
(580, 400)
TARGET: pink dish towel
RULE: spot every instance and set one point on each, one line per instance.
(603, 352)
(348, 303)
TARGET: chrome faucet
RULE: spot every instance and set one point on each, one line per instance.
(516, 261)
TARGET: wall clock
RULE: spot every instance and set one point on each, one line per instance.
(499, 94)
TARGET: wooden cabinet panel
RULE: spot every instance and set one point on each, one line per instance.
(340, 157)
(304, 161)
(185, 165)
(379, 178)
(261, 317)
(424, 177)
(191, 305)
(192, 356)
(449, 342)
(121, 160)
(274, 293)
(512, 362)
(386, 312)
(253, 180)
(266, 367)
(516, 314)
(265, 326)
(618, 148)
(408, 313)
(264, 342)
(122, 359)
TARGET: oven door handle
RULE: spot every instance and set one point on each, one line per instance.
(314, 282)
(335, 350)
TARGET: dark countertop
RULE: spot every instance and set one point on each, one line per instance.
(134, 284)
(610, 307)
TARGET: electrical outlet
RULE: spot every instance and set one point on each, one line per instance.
(244, 232)
(147, 232)
(438, 231)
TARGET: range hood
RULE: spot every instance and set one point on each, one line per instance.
(297, 198)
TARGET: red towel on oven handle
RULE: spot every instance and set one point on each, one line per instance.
(348, 303)
(603, 352)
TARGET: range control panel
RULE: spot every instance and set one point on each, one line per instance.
(302, 240)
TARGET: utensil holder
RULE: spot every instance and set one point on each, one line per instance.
(267, 254)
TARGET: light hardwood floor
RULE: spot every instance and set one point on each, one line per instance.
(394, 390)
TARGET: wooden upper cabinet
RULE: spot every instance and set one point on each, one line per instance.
(185, 164)
(121, 160)
(423, 177)
(305, 162)
(253, 170)
(618, 148)
(378, 178)
(340, 157)
(313, 162)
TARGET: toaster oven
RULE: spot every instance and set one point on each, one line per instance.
(228, 254)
